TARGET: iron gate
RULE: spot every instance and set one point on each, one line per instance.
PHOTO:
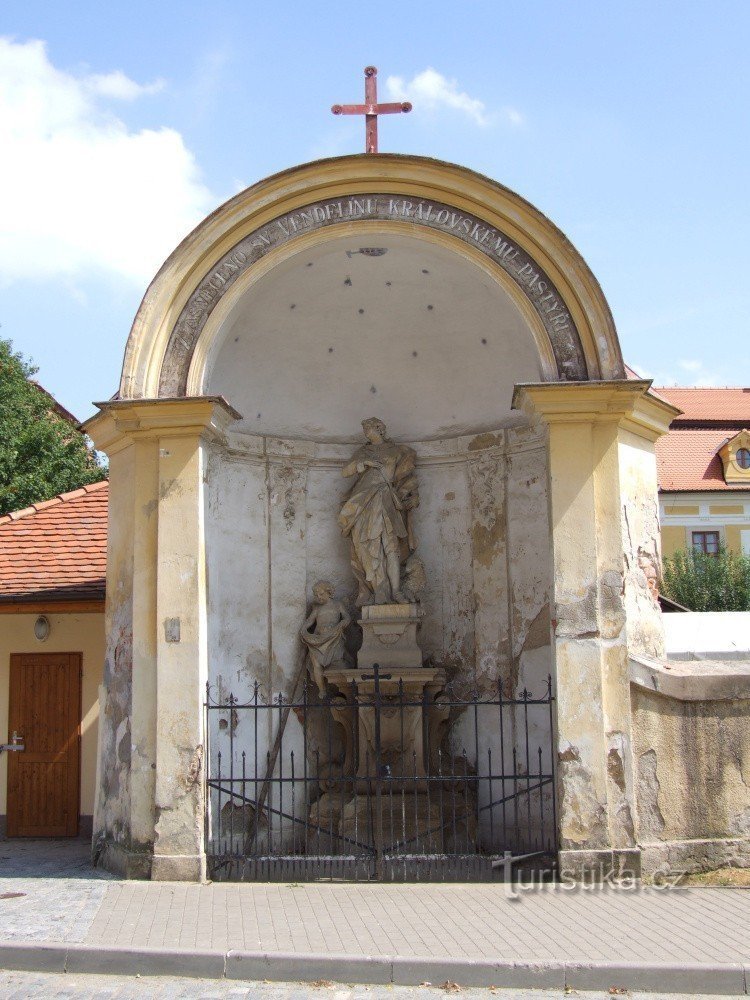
(295, 793)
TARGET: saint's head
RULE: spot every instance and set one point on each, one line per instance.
(375, 430)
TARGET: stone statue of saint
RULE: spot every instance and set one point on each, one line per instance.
(376, 515)
(326, 645)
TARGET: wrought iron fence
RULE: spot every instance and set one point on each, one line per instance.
(374, 783)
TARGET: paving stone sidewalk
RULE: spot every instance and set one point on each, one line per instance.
(300, 923)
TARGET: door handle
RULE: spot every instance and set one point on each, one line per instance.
(17, 743)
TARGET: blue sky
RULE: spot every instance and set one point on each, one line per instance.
(121, 125)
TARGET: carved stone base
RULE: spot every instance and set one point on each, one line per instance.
(389, 637)
(411, 826)
(411, 821)
(409, 709)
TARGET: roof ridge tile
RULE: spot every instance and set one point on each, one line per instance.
(81, 491)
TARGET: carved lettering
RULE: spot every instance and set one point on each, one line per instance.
(516, 262)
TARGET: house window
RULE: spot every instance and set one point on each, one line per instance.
(706, 541)
(743, 458)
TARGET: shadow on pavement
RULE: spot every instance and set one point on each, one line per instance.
(68, 858)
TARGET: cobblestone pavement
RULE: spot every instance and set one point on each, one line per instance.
(58, 891)
(19, 985)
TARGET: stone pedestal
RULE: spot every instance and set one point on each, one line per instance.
(393, 716)
(410, 714)
(389, 637)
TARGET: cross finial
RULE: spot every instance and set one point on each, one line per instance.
(371, 109)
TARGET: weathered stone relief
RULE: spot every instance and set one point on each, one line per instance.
(529, 561)
(487, 481)
(287, 565)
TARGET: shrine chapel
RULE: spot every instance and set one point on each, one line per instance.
(383, 557)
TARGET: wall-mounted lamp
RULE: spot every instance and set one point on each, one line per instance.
(42, 628)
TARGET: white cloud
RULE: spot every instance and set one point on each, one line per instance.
(431, 90)
(119, 86)
(79, 191)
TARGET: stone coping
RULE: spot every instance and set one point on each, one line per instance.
(693, 680)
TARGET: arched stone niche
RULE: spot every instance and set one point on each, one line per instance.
(223, 515)
(396, 286)
(174, 338)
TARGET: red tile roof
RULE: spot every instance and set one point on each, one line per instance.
(56, 550)
(715, 406)
(688, 456)
(688, 460)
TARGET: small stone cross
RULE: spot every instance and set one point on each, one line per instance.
(371, 109)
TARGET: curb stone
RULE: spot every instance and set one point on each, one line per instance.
(725, 979)
(32, 956)
(125, 961)
(479, 972)
(686, 978)
(298, 966)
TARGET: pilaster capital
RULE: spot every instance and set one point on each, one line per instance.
(628, 403)
(122, 421)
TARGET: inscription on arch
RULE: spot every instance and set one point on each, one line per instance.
(533, 281)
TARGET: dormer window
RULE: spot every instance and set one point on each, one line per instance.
(735, 457)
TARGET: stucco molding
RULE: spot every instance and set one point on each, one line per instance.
(626, 402)
(397, 176)
(37, 607)
(122, 421)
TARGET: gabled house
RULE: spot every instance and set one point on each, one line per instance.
(704, 471)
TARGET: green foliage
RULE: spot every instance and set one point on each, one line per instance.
(704, 582)
(41, 453)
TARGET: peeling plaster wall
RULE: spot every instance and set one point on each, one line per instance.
(483, 534)
(641, 545)
(693, 777)
(112, 815)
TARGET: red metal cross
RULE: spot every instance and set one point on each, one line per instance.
(371, 109)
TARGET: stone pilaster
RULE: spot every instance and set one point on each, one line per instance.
(590, 622)
(158, 829)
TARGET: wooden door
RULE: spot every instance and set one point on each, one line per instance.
(44, 779)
